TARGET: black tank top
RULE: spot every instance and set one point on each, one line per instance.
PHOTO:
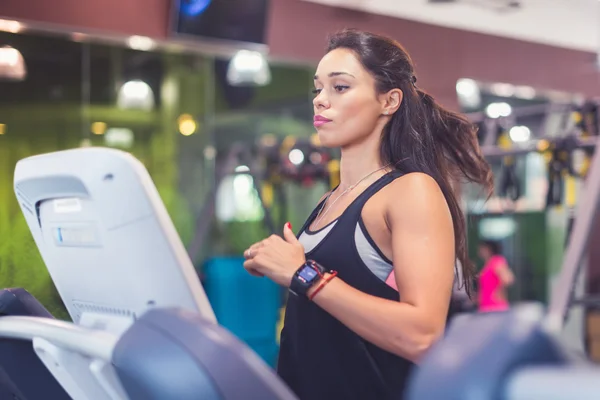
(320, 358)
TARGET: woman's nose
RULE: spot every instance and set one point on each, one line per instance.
(321, 101)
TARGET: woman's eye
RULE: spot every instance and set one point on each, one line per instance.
(337, 88)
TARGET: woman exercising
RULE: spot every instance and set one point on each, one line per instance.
(372, 271)
(494, 278)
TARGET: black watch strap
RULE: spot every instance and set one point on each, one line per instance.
(304, 279)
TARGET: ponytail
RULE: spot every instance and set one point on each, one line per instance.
(459, 159)
(457, 137)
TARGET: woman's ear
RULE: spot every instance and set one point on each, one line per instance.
(391, 101)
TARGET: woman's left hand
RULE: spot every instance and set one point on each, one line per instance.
(276, 258)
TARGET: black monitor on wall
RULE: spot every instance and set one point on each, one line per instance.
(241, 21)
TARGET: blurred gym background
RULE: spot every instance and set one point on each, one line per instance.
(214, 98)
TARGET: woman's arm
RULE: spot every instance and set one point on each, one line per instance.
(504, 273)
(423, 255)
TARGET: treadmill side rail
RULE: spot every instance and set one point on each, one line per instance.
(79, 358)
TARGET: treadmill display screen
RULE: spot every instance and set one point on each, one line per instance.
(76, 235)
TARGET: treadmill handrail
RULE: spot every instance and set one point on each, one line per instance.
(554, 383)
(85, 341)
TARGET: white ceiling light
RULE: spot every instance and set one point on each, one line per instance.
(136, 94)
(519, 133)
(248, 68)
(468, 92)
(10, 26)
(119, 137)
(141, 43)
(497, 228)
(503, 89)
(12, 64)
(525, 92)
(497, 110)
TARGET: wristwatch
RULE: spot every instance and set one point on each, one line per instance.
(305, 277)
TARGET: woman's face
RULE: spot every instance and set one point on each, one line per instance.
(347, 107)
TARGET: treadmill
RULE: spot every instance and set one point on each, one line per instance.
(142, 326)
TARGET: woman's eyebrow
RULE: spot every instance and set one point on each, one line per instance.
(332, 74)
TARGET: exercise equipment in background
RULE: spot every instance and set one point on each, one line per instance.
(270, 163)
(519, 354)
(510, 184)
(300, 160)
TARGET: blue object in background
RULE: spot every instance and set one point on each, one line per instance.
(244, 304)
(192, 8)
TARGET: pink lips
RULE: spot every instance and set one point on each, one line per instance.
(320, 121)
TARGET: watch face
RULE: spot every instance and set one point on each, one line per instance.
(307, 274)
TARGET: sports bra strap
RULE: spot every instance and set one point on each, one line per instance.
(354, 211)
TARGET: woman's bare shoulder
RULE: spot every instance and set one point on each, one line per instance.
(413, 196)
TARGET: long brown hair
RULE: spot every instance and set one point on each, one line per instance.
(422, 136)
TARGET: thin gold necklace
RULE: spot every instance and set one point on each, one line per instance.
(321, 216)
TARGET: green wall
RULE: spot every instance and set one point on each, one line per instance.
(34, 128)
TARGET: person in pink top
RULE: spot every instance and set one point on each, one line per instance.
(494, 278)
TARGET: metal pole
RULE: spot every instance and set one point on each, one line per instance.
(256, 182)
(582, 229)
(209, 119)
(85, 90)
